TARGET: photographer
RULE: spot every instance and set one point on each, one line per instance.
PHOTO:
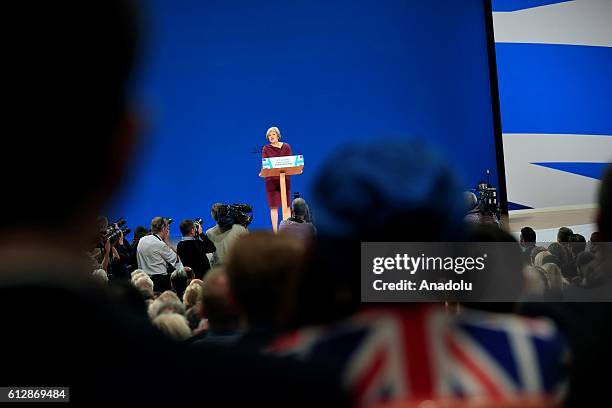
(298, 224)
(227, 230)
(117, 264)
(155, 254)
(102, 252)
(478, 212)
(119, 267)
(194, 246)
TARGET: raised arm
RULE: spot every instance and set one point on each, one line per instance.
(208, 246)
(169, 255)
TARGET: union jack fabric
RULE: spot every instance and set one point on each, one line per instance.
(424, 352)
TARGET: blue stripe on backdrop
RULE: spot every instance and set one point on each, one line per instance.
(547, 88)
(591, 170)
(513, 5)
(515, 206)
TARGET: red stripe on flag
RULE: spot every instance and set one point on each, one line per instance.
(285, 342)
(417, 351)
(468, 362)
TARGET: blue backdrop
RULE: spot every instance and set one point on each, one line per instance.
(554, 61)
(217, 74)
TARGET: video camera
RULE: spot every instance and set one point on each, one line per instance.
(229, 214)
(114, 230)
(487, 198)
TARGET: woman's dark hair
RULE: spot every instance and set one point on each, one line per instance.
(140, 232)
(577, 244)
(584, 258)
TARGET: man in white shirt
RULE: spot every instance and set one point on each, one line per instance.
(155, 253)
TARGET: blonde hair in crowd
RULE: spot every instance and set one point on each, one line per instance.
(173, 325)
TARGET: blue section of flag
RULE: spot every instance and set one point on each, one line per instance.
(343, 344)
(545, 88)
(592, 170)
(498, 346)
(547, 354)
(513, 5)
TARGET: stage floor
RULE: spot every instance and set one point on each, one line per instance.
(546, 223)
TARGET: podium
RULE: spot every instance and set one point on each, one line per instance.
(281, 167)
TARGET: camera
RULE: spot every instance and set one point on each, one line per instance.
(229, 214)
(119, 223)
(197, 223)
(115, 229)
(487, 198)
(114, 235)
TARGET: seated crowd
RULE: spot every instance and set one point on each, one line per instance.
(555, 267)
(296, 295)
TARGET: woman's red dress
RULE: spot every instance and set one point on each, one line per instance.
(273, 183)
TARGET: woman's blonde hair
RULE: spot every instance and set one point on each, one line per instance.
(539, 258)
(273, 128)
(553, 274)
(173, 325)
(193, 294)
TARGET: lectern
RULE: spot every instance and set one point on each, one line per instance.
(280, 167)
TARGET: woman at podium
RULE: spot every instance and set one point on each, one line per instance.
(276, 148)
